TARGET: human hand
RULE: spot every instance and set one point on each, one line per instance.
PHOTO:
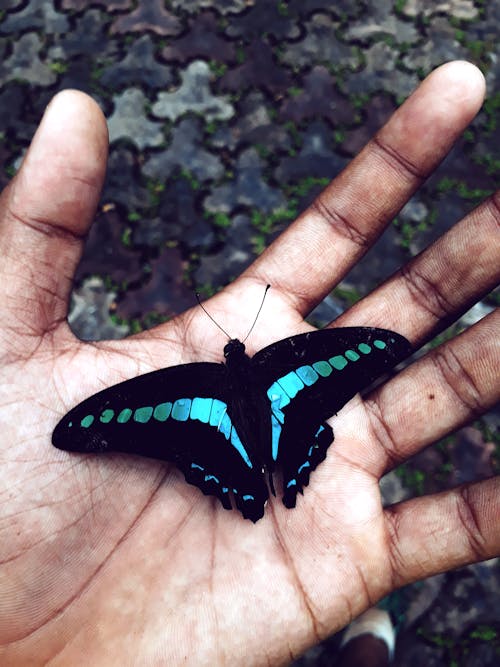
(113, 560)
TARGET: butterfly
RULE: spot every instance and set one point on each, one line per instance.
(225, 425)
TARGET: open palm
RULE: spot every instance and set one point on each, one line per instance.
(116, 560)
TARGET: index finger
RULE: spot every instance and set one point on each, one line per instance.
(319, 248)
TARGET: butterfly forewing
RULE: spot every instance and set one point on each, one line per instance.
(181, 415)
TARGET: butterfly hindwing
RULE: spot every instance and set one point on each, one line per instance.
(182, 415)
(308, 378)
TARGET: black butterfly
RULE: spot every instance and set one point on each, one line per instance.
(225, 425)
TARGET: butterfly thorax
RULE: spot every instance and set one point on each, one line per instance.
(238, 364)
(253, 414)
(234, 350)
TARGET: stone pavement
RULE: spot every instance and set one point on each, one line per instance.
(226, 119)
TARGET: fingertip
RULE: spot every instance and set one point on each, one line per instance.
(74, 131)
(61, 177)
(460, 81)
(76, 107)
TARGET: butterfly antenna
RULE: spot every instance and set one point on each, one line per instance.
(198, 298)
(258, 313)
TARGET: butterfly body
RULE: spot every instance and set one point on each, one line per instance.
(228, 426)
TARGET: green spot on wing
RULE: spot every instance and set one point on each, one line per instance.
(307, 374)
(124, 416)
(338, 362)
(181, 408)
(162, 411)
(87, 421)
(323, 368)
(364, 348)
(380, 344)
(106, 416)
(143, 415)
(351, 355)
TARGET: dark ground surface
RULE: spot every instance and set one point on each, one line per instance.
(226, 119)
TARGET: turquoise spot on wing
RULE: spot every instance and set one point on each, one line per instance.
(275, 436)
(217, 411)
(225, 426)
(162, 411)
(70, 424)
(351, 355)
(143, 415)
(323, 368)
(248, 496)
(291, 383)
(124, 416)
(364, 348)
(106, 416)
(380, 344)
(238, 445)
(321, 428)
(304, 465)
(200, 409)
(180, 409)
(338, 362)
(307, 374)
(292, 482)
(277, 395)
(197, 467)
(211, 477)
(275, 408)
(87, 421)
(221, 420)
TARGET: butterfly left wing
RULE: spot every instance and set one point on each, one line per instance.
(308, 378)
(180, 414)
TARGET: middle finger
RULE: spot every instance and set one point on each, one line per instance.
(307, 260)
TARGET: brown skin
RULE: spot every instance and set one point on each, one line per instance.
(115, 560)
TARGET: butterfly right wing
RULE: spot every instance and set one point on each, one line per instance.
(309, 377)
(180, 414)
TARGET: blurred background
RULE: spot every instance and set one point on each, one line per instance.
(226, 119)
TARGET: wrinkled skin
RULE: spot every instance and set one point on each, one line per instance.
(115, 560)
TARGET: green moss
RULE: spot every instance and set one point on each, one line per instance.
(240, 55)
(127, 237)
(348, 295)
(265, 222)
(58, 67)
(304, 186)
(190, 178)
(282, 8)
(455, 651)
(220, 219)
(484, 632)
(206, 290)
(294, 91)
(217, 68)
(447, 184)
(412, 478)
(211, 127)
